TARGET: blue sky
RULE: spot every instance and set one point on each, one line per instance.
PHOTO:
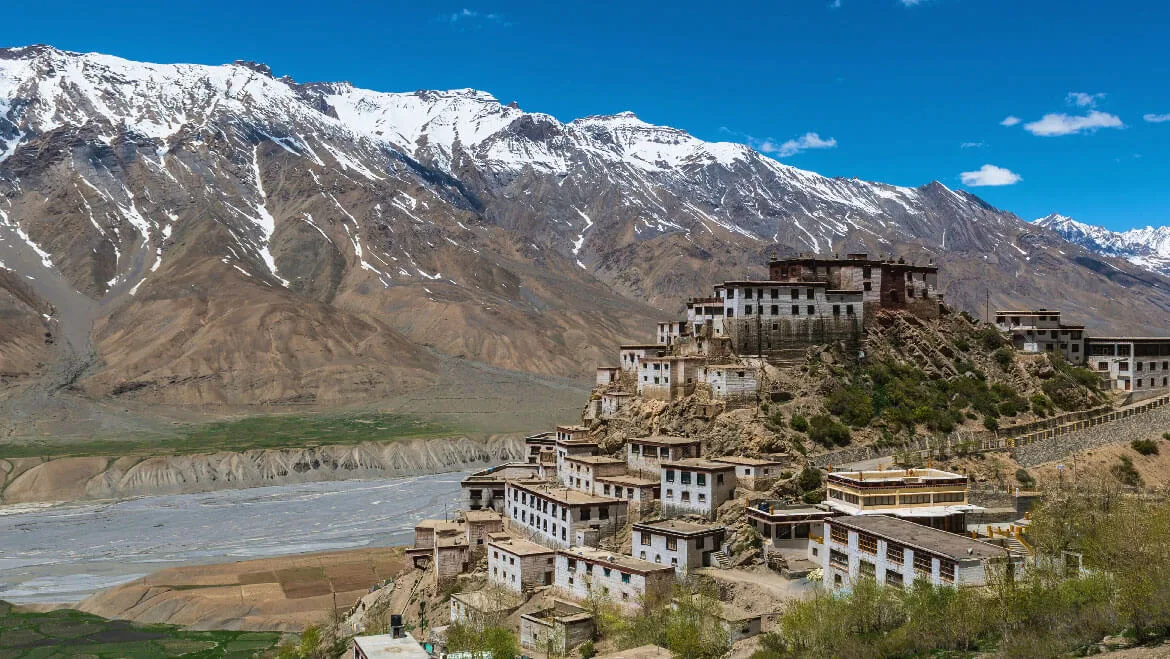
(901, 91)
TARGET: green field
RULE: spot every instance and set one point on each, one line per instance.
(259, 432)
(69, 633)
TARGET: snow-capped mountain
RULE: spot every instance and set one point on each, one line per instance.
(1148, 247)
(189, 233)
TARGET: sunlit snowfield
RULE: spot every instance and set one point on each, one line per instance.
(64, 553)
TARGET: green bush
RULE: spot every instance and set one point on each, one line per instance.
(990, 423)
(809, 479)
(813, 498)
(587, 650)
(991, 337)
(799, 423)
(962, 344)
(1004, 357)
(1145, 446)
(823, 429)
(852, 404)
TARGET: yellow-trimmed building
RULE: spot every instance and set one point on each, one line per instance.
(928, 496)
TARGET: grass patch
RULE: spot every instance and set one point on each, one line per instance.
(69, 633)
(259, 432)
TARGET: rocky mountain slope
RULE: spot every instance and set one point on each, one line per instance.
(214, 235)
(1148, 248)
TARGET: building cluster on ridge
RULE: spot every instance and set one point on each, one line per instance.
(572, 522)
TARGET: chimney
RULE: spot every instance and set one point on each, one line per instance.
(396, 627)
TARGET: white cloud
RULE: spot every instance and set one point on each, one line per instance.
(835, 4)
(1156, 118)
(1063, 124)
(1010, 121)
(989, 175)
(469, 16)
(971, 145)
(911, 3)
(792, 147)
(1083, 100)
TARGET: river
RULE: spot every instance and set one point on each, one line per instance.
(63, 553)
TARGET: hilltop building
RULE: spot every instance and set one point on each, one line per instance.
(884, 283)
(560, 517)
(695, 486)
(624, 580)
(679, 544)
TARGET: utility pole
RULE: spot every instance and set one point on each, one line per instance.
(987, 305)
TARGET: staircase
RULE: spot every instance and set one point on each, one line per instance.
(1017, 547)
(721, 559)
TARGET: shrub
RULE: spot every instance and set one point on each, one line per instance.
(799, 423)
(853, 404)
(990, 423)
(962, 344)
(587, 650)
(823, 429)
(809, 479)
(991, 338)
(1124, 472)
(1145, 446)
(1024, 478)
(1041, 405)
(1004, 357)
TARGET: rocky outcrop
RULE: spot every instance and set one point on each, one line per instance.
(67, 479)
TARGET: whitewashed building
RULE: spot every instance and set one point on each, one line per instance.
(623, 580)
(631, 356)
(520, 565)
(670, 332)
(1137, 364)
(581, 471)
(612, 402)
(696, 486)
(1040, 331)
(729, 381)
(752, 473)
(559, 517)
(681, 545)
(646, 454)
(895, 552)
(608, 376)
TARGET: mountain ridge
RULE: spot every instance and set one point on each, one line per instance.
(240, 239)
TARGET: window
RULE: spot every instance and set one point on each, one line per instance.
(747, 310)
(747, 293)
(885, 500)
(796, 310)
(684, 477)
(671, 543)
(866, 273)
(645, 538)
(923, 563)
(839, 535)
(686, 496)
(812, 310)
(775, 312)
(867, 544)
(718, 479)
(849, 310)
(775, 293)
(867, 286)
(836, 310)
(946, 571)
(702, 497)
(669, 475)
(809, 294)
(893, 578)
(867, 569)
(895, 554)
(731, 294)
(838, 559)
(795, 294)
(603, 512)
(585, 514)
(625, 577)
(914, 498)
(941, 497)
(700, 479)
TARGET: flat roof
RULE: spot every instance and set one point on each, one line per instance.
(699, 463)
(485, 515)
(439, 525)
(594, 459)
(616, 393)
(1122, 339)
(740, 460)
(504, 472)
(642, 346)
(894, 475)
(776, 284)
(485, 601)
(563, 495)
(386, 645)
(619, 561)
(917, 536)
(678, 527)
(609, 368)
(521, 547)
(664, 440)
(574, 428)
(1029, 312)
(627, 479)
